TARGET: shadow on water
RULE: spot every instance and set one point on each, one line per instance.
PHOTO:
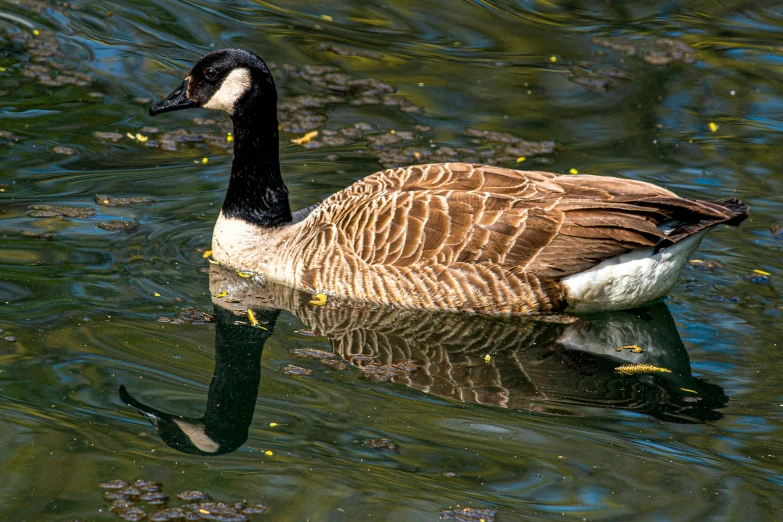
(511, 362)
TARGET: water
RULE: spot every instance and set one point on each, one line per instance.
(539, 430)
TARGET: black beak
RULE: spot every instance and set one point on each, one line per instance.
(175, 101)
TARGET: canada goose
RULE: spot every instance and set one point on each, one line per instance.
(534, 364)
(442, 236)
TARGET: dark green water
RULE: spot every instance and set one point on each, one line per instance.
(546, 428)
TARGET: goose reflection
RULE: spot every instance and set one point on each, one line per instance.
(533, 364)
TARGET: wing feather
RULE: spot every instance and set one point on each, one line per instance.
(528, 222)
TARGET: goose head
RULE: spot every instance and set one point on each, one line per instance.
(230, 80)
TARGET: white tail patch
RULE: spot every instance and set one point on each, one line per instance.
(196, 434)
(630, 279)
(234, 86)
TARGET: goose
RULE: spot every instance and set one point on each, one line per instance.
(450, 236)
(535, 364)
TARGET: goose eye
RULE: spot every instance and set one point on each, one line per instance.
(210, 73)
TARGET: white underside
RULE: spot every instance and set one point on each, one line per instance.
(630, 279)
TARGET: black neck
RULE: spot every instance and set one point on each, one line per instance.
(256, 192)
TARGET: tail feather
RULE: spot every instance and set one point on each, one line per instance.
(705, 214)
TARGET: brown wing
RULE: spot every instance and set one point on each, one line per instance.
(547, 225)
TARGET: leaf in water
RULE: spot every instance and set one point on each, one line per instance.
(306, 138)
(319, 300)
(633, 369)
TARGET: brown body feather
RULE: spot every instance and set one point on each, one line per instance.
(469, 237)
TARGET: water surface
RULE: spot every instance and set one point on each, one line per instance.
(682, 94)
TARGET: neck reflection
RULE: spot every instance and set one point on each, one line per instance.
(541, 365)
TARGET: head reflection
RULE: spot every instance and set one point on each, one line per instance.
(540, 365)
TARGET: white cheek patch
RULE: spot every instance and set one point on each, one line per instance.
(231, 90)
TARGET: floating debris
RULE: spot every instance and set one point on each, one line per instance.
(387, 372)
(319, 300)
(383, 445)
(306, 138)
(111, 201)
(360, 360)
(334, 364)
(10, 338)
(777, 231)
(632, 347)
(661, 51)
(311, 353)
(296, 370)
(53, 211)
(116, 225)
(469, 515)
(189, 315)
(113, 484)
(192, 496)
(36, 235)
(758, 277)
(65, 151)
(597, 78)
(108, 136)
(724, 299)
(633, 369)
(706, 265)
(8, 137)
(345, 51)
(487, 359)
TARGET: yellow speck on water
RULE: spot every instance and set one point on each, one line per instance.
(392, 131)
(141, 138)
(202, 510)
(252, 317)
(714, 126)
(205, 160)
(633, 369)
(306, 138)
(36, 32)
(487, 358)
(689, 390)
(319, 300)
(3, 69)
(156, 294)
(229, 137)
(221, 294)
(762, 272)
(207, 253)
(553, 59)
(131, 136)
(521, 159)
(272, 424)
(268, 452)
(573, 171)
(327, 18)
(417, 155)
